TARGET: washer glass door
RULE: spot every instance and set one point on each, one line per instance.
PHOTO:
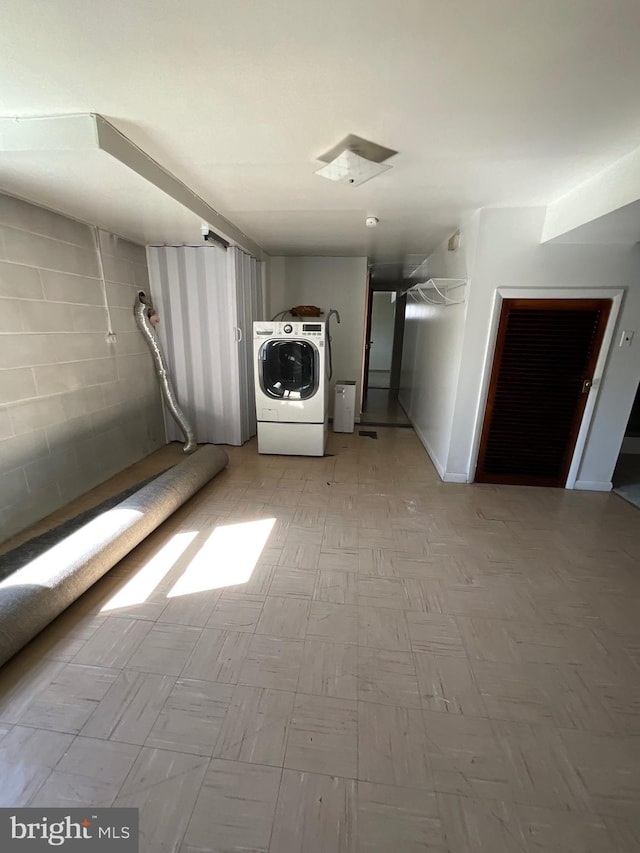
(289, 369)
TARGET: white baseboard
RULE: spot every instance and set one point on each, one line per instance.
(593, 486)
(455, 478)
(425, 443)
(445, 476)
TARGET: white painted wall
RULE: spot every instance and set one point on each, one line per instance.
(437, 344)
(382, 323)
(275, 286)
(339, 283)
(509, 254)
(432, 349)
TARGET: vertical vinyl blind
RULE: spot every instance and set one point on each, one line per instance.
(207, 300)
(247, 275)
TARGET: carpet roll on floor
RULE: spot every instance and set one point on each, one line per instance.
(35, 594)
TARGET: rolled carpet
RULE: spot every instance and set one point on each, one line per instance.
(36, 593)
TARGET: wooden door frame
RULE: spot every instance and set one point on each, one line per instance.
(615, 294)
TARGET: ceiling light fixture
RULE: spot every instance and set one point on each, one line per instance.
(371, 221)
(354, 161)
(350, 168)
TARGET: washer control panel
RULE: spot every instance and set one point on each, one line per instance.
(293, 329)
(311, 330)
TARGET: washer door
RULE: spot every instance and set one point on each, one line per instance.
(289, 369)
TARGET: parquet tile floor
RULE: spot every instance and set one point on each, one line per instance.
(345, 654)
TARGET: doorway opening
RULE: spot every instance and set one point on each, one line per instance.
(383, 314)
(626, 477)
(384, 337)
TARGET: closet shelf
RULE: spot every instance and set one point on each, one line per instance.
(435, 291)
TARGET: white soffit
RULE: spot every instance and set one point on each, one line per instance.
(621, 226)
(84, 167)
(603, 209)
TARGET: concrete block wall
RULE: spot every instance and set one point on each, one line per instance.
(74, 408)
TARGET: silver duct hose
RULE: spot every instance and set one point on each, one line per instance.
(143, 310)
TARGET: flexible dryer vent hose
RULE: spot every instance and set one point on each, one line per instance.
(143, 310)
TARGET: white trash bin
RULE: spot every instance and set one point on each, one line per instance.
(344, 406)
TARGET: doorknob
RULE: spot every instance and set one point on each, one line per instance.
(586, 385)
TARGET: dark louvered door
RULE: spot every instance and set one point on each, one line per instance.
(545, 357)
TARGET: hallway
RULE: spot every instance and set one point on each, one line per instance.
(383, 409)
(442, 667)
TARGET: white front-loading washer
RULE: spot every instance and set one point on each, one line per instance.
(291, 387)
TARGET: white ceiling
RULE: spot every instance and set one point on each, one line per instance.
(489, 103)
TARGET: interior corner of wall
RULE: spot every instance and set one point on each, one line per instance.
(452, 477)
(453, 469)
(469, 241)
(437, 464)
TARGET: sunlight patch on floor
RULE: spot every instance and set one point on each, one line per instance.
(142, 584)
(227, 557)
